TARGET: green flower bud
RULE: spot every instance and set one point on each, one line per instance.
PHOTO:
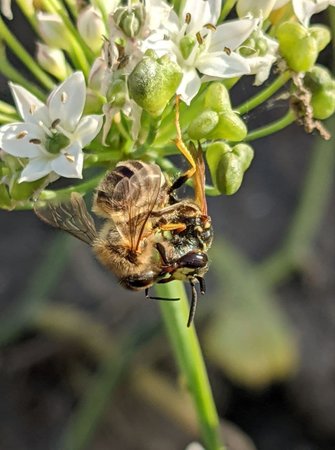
(217, 98)
(130, 21)
(153, 82)
(94, 102)
(321, 34)
(230, 127)
(322, 87)
(202, 125)
(245, 154)
(297, 46)
(214, 154)
(186, 45)
(229, 174)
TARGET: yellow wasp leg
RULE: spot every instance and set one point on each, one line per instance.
(178, 227)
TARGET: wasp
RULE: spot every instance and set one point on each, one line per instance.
(149, 235)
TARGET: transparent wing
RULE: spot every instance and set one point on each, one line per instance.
(133, 201)
(72, 217)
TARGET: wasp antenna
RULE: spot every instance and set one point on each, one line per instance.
(193, 304)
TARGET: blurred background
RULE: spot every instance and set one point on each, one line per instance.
(85, 364)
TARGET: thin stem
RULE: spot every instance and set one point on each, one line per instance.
(227, 7)
(187, 351)
(266, 93)
(102, 7)
(273, 127)
(15, 76)
(6, 108)
(4, 119)
(24, 56)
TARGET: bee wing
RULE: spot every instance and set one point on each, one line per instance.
(199, 178)
(133, 201)
(72, 217)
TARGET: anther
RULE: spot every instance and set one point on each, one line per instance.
(188, 18)
(32, 109)
(210, 26)
(22, 134)
(63, 97)
(69, 157)
(55, 123)
(35, 141)
(227, 50)
(199, 38)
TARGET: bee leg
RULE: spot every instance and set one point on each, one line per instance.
(202, 285)
(148, 297)
(193, 303)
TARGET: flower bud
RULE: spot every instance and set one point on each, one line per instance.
(52, 60)
(153, 82)
(214, 154)
(229, 174)
(53, 31)
(322, 87)
(131, 20)
(297, 46)
(91, 28)
(321, 34)
(94, 102)
(217, 97)
(117, 93)
(5, 201)
(245, 154)
(230, 127)
(97, 74)
(203, 124)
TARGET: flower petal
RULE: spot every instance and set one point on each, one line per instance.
(30, 108)
(69, 163)
(231, 34)
(36, 168)
(88, 128)
(67, 101)
(15, 139)
(202, 12)
(189, 86)
(221, 65)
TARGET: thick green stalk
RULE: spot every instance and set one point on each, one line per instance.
(24, 56)
(186, 348)
(228, 5)
(273, 127)
(28, 10)
(263, 95)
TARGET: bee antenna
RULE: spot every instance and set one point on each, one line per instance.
(193, 304)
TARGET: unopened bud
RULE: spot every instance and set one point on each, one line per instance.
(214, 153)
(203, 124)
(53, 31)
(229, 174)
(91, 28)
(153, 82)
(97, 74)
(230, 127)
(130, 20)
(217, 97)
(321, 34)
(322, 87)
(257, 8)
(297, 46)
(245, 154)
(52, 60)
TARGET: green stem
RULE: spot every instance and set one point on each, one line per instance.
(266, 93)
(4, 119)
(102, 7)
(187, 351)
(227, 7)
(273, 127)
(24, 56)
(6, 108)
(15, 76)
(306, 220)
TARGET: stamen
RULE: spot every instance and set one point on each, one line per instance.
(227, 50)
(35, 141)
(64, 97)
(32, 109)
(55, 123)
(66, 133)
(45, 129)
(188, 18)
(22, 134)
(69, 157)
(199, 38)
(210, 26)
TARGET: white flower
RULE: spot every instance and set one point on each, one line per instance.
(304, 9)
(52, 60)
(91, 27)
(53, 30)
(51, 135)
(198, 46)
(257, 8)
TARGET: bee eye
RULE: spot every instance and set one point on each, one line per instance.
(193, 260)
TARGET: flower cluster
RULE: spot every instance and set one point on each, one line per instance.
(120, 68)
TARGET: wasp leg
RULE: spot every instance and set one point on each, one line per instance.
(202, 285)
(185, 151)
(193, 303)
(177, 227)
(149, 297)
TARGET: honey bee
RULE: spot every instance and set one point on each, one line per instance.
(149, 235)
